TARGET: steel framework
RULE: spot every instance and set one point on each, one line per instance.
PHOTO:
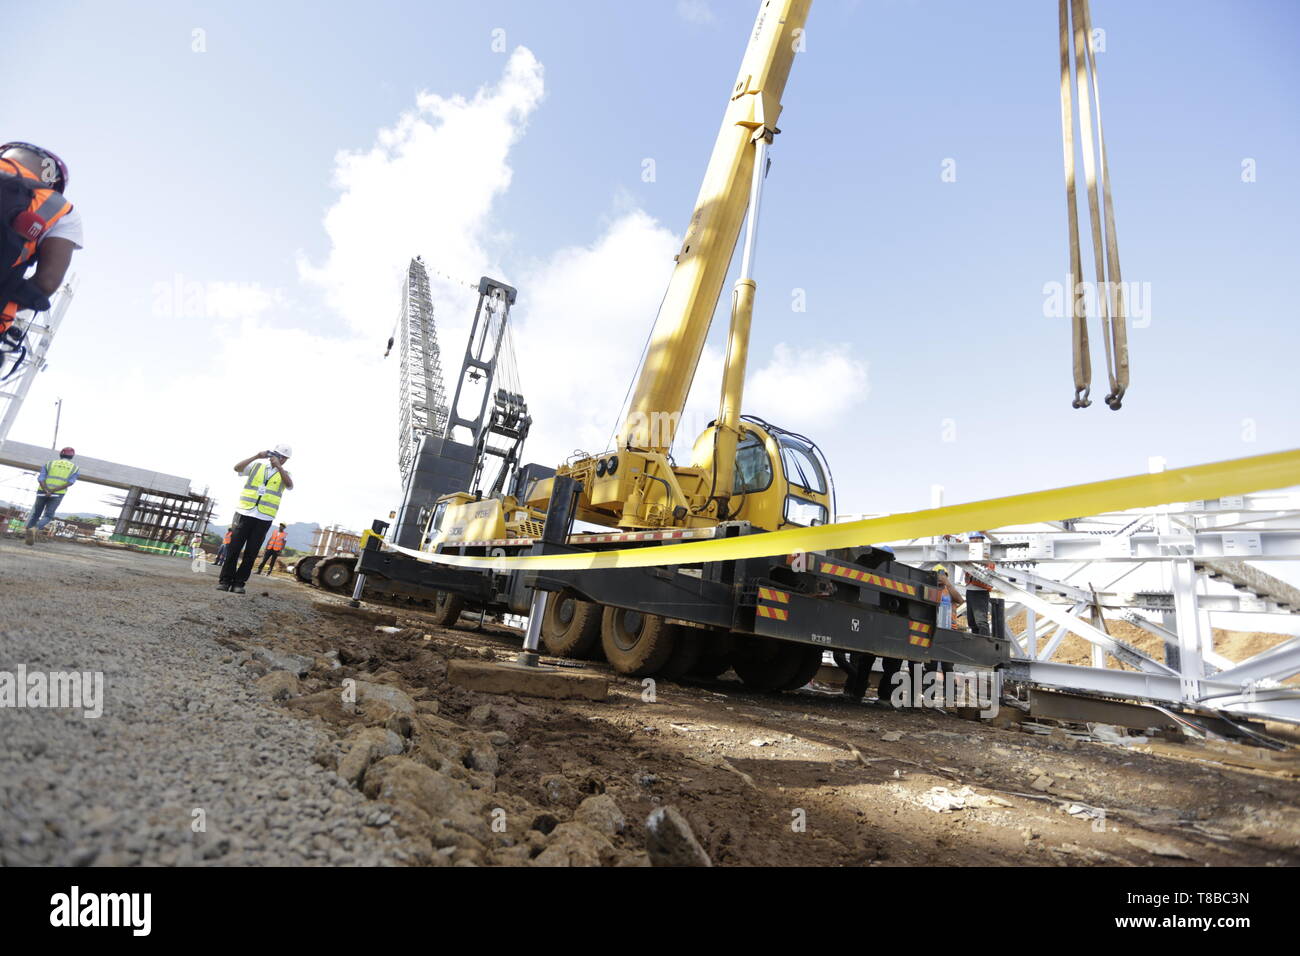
(1197, 550)
(20, 366)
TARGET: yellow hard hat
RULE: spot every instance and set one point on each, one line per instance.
(940, 569)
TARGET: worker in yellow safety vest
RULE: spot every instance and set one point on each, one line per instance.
(273, 549)
(259, 500)
(56, 477)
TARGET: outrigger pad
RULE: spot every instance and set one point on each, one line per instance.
(556, 683)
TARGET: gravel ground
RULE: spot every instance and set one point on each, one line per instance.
(180, 730)
(457, 777)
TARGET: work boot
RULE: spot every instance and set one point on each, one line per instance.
(237, 588)
(31, 535)
(223, 586)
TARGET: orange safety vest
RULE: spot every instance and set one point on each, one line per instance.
(277, 541)
(226, 539)
(46, 203)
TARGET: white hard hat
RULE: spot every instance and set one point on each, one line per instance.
(284, 451)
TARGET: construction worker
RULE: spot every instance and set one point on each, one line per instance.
(264, 482)
(41, 229)
(225, 545)
(979, 596)
(858, 666)
(273, 549)
(56, 477)
(949, 597)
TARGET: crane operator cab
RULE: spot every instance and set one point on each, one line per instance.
(780, 480)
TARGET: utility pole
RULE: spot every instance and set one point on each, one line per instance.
(58, 413)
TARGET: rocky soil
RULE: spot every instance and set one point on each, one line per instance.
(277, 728)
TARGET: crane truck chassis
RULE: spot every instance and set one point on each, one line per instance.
(770, 618)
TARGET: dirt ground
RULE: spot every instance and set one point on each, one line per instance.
(412, 770)
(811, 779)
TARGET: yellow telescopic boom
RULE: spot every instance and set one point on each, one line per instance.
(684, 319)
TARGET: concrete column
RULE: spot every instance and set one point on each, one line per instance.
(128, 510)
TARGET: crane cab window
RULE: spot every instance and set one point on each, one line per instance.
(439, 510)
(753, 467)
(801, 466)
(804, 513)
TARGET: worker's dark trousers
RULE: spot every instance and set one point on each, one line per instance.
(246, 537)
(45, 505)
(889, 666)
(977, 610)
(268, 555)
(855, 681)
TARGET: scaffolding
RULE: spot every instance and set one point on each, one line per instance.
(422, 402)
(333, 540)
(149, 517)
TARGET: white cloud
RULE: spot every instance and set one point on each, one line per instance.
(584, 315)
(808, 388)
(425, 187)
(695, 11)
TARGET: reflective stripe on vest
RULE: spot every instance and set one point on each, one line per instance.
(59, 474)
(269, 500)
(47, 203)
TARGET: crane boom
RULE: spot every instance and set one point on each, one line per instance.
(692, 297)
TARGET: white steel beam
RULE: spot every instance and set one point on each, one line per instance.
(1276, 663)
(1088, 632)
(1242, 699)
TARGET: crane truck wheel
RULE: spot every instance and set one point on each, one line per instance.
(334, 574)
(767, 664)
(447, 608)
(686, 653)
(636, 644)
(571, 626)
(714, 657)
(808, 668)
(302, 570)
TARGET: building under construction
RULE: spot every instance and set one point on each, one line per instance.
(155, 517)
(334, 540)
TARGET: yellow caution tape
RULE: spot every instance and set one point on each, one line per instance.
(1236, 477)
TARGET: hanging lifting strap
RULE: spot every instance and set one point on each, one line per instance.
(1075, 17)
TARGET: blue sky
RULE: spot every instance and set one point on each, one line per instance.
(925, 298)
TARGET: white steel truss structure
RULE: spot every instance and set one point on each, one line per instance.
(1193, 558)
(422, 402)
(20, 365)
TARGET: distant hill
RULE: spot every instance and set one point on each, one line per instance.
(297, 535)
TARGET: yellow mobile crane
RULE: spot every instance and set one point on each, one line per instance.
(741, 469)
(770, 618)
(738, 468)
